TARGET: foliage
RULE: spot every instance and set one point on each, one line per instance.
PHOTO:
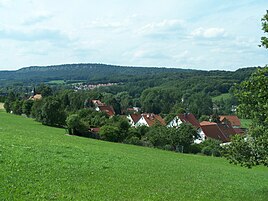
(182, 137)
(27, 107)
(211, 147)
(264, 39)
(75, 125)
(52, 113)
(253, 95)
(110, 133)
(250, 151)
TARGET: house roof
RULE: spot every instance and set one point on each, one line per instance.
(152, 119)
(135, 117)
(97, 102)
(239, 131)
(233, 119)
(36, 97)
(212, 130)
(94, 130)
(189, 118)
(228, 130)
(108, 109)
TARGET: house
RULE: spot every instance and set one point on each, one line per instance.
(109, 110)
(133, 110)
(36, 97)
(184, 118)
(97, 103)
(150, 120)
(231, 119)
(133, 119)
(212, 130)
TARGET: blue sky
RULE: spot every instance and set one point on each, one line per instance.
(197, 34)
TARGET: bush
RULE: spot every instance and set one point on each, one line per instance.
(133, 140)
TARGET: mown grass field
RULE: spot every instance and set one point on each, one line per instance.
(42, 163)
(222, 96)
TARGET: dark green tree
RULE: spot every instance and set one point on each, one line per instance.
(110, 133)
(252, 95)
(52, 113)
(27, 107)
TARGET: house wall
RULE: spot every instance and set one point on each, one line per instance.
(176, 122)
(202, 137)
(130, 120)
(142, 122)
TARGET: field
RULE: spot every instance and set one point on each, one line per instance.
(246, 123)
(222, 96)
(43, 163)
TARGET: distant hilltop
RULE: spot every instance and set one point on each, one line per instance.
(101, 73)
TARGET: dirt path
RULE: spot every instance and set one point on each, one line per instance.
(1, 106)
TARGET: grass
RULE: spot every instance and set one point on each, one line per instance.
(42, 163)
(56, 82)
(222, 96)
(1, 106)
(245, 123)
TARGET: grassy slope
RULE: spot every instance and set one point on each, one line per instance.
(41, 163)
(222, 96)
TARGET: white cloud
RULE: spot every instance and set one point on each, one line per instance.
(213, 32)
(163, 27)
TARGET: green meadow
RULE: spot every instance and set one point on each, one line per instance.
(221, 97)
(43, 163)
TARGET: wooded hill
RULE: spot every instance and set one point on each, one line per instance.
(99, 73)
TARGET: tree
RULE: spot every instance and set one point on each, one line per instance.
(52, 113)
(183, 137)
(44, 90)
(75, 125)
(253, 97)
(110, 133)
(264, 39)
(27, 107)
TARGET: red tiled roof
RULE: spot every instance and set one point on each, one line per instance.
(212, 130)
(108, 109)
(239, 131)
(95, 130)
(189, 118)
(152, 119)
(36, 97)
(228, 130)
(233, 119)
(97, 102)
(135, 117)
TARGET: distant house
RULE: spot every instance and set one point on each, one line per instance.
(184, 118)
(133, 110)
(109, 110)
(150, 120)
(133, 119)
(97, 103)
(36, 97)
(231, 119)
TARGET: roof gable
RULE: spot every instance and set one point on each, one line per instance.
(189, 118)
(233, 119)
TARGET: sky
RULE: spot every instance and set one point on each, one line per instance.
(196, 34)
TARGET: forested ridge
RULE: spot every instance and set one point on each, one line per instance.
(104, 73)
